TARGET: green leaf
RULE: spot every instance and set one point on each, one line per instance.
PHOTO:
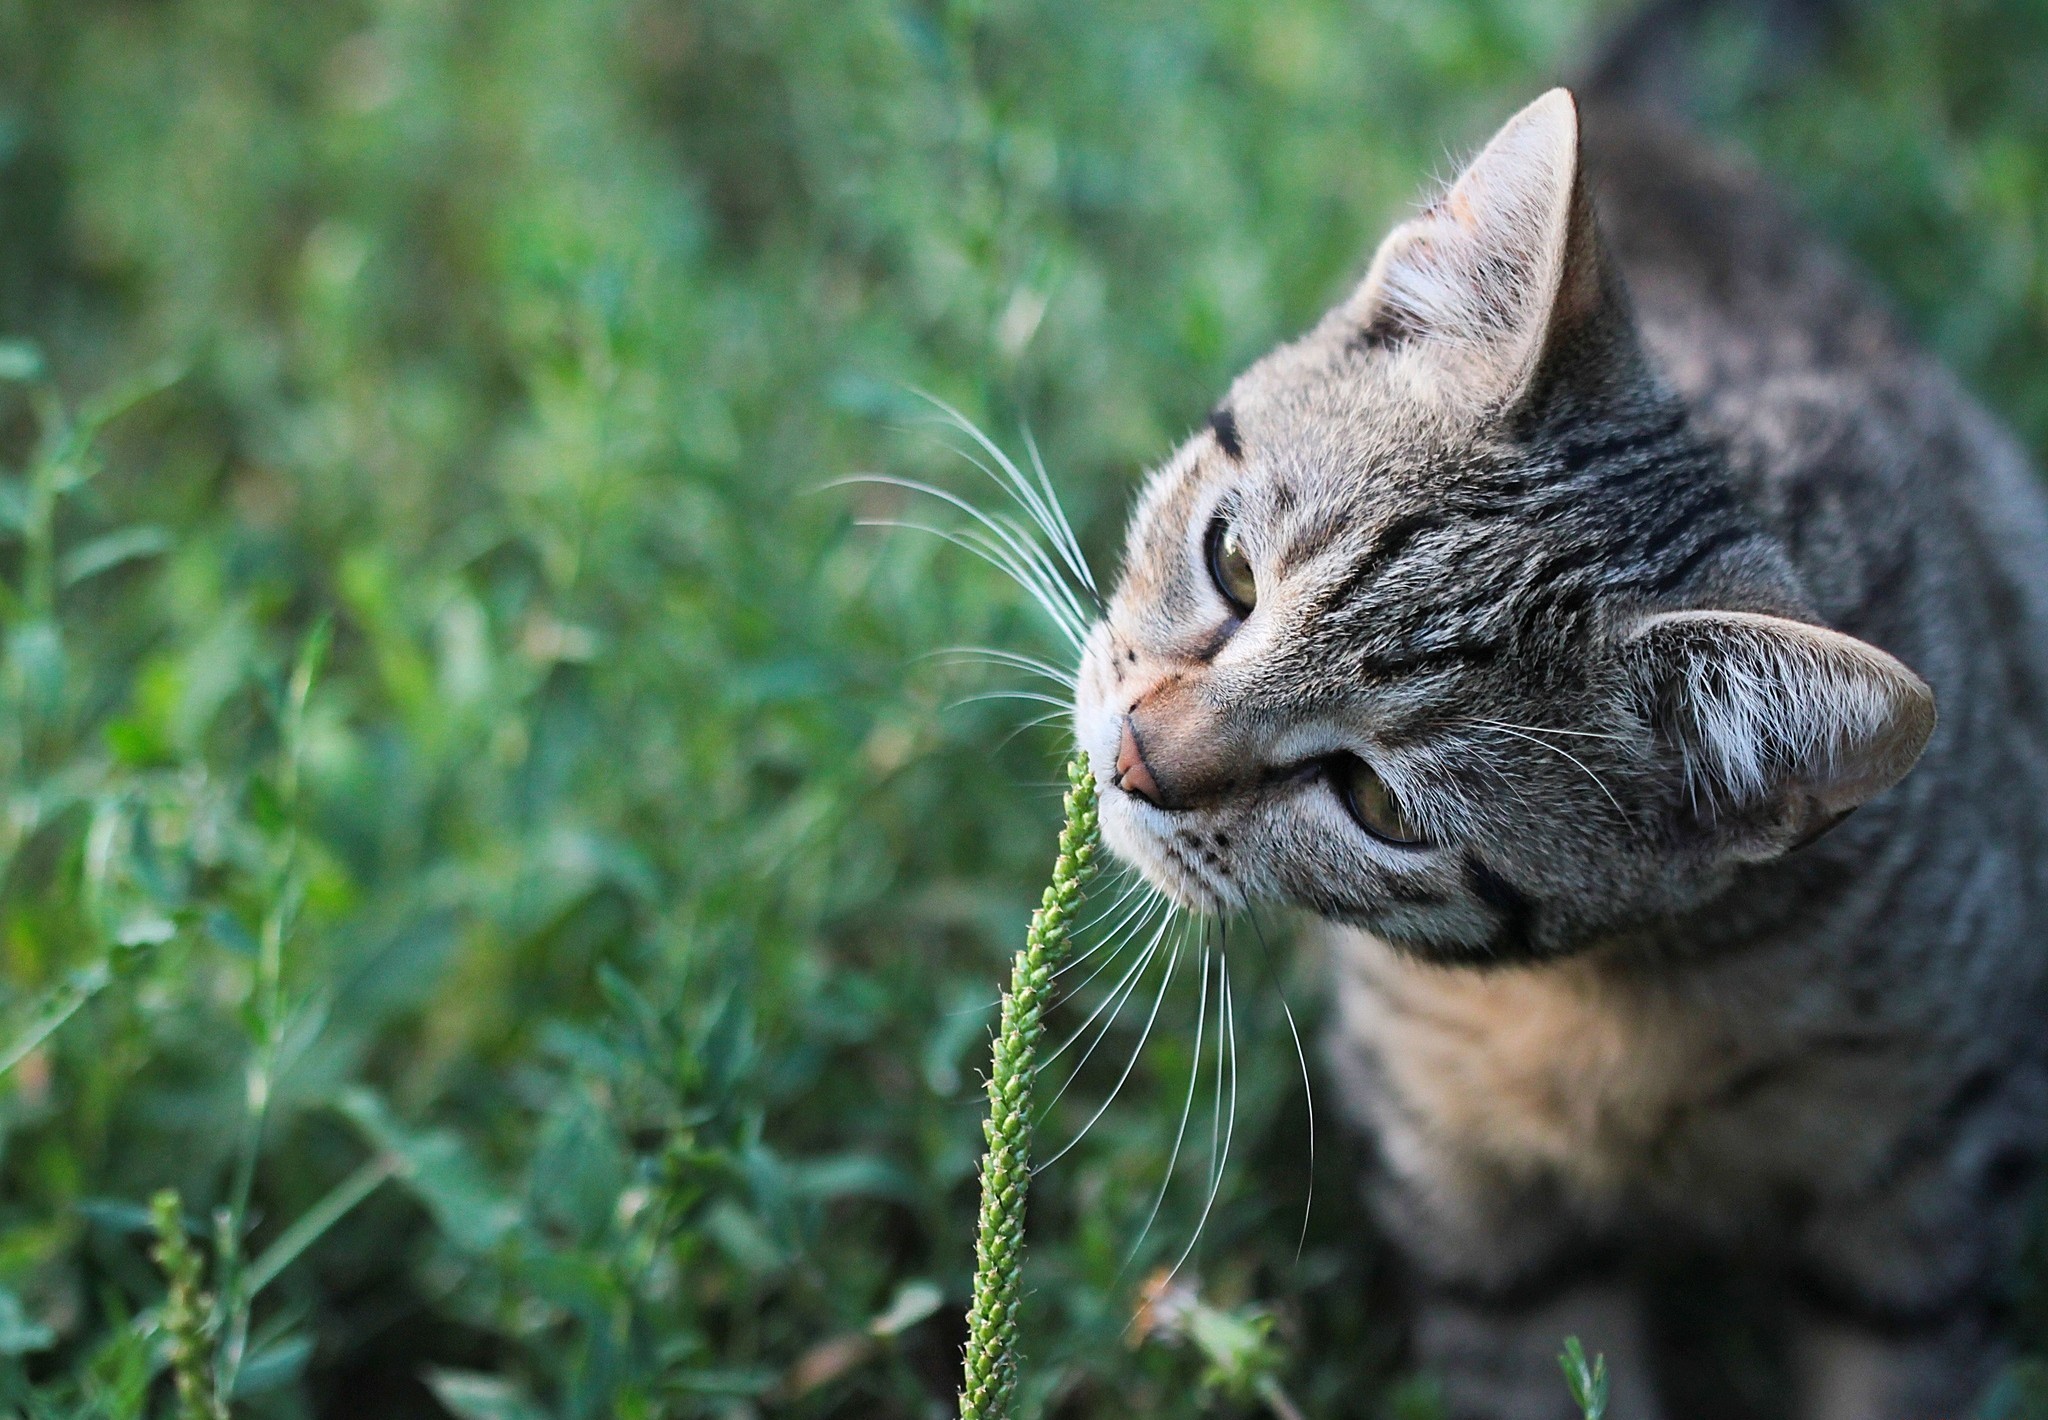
(56, 1006)
(1588, 1383)
(19, 1334)
(109, 551)
(20, 361)
(437, 1170)
(313, 1224)
(913, 1302)
(270, 1366)
(472, 1395)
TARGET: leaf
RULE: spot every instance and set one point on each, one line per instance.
(2021, 1393)
(472, 1395)
(914, 1301)
(278, 1363)
(110, 551)
(20, 361)
(850, 1176)
(437, 1170)
(312, 1225)
(20, 1335)
(56, 1006)
(1588, 1383)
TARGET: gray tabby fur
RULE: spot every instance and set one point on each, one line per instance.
(1609, 543)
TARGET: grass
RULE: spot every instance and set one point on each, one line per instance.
(483, 826)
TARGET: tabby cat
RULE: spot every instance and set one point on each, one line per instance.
(1563, 621)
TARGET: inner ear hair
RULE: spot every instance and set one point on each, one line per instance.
(1783, 728)
(1505, 270)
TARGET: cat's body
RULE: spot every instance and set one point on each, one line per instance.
(1509, 654)
(1838, 1070)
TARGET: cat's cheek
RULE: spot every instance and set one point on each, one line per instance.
(1138, 835)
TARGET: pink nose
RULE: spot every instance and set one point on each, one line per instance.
(1133, 775)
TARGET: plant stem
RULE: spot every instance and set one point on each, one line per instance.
(991, 1360)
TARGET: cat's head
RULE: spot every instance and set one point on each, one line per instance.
(1447, 625)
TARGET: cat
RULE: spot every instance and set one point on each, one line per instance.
(1634, 652)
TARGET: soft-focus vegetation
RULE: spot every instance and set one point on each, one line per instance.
(477, 825)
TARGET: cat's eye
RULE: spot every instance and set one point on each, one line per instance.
(1368, 800)
(1230, 569)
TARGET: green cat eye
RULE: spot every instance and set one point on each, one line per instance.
(1368, 799)
(1230, 569)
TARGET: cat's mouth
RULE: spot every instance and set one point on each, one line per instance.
(1185, 860)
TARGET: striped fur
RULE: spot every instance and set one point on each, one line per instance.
(1609, 545)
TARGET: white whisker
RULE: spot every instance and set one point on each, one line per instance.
(1308, 1093)
(1550, 730)
(1042, 503)
(1038, 520)
(1226, 1033)
(1035, 722)
(1143, 924)
(1122, 988)
(1061, 706)
(1137, 1050)
(1187, 1108)
(1065, 536)
(1139, 911)
(1019, 543)
(1016, 660)
(1560, 750)
(996, 558)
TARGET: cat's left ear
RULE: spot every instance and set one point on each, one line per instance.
(1501, 283)
(1780, 728)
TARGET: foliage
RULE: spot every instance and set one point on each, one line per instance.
(477, 823)
(1587, 1379)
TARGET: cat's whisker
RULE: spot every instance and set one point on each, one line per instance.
(1065, 536)
(1119, 996)
(1036, 721)
(1549, 730)
(1308, 1092)
(1165, 981)
(978, 543)
(1148, 900)
(1061, 706)
(1142, 918)
(1042, 503)
(1123, 988)
(1216, 1108)
(1598, 782)
(1039, 520)
(1015, 660)
(1138, 911)
(1123, 880)
(1226, 1044)
(1187, 1109)
(1020, 557)
(990, 553)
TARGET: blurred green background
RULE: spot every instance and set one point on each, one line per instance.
(483, 825)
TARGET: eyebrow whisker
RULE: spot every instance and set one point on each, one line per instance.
(1598, 782)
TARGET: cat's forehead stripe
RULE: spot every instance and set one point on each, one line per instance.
(1223, 424)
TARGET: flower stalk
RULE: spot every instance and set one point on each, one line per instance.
(991, 1360)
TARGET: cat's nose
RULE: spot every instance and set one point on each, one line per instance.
(1133, 775)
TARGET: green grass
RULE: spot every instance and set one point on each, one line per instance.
(477, 824)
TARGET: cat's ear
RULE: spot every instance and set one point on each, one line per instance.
(1781, 728)
(1504, 274)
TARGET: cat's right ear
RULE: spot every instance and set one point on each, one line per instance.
(1780, 728)
(1502, 280)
